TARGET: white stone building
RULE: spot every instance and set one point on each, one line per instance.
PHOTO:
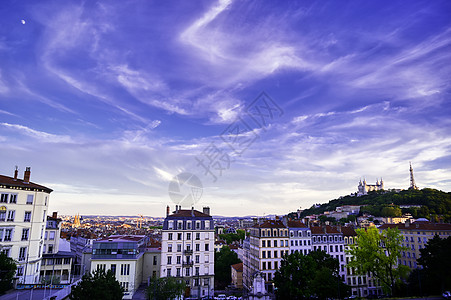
(23, 216)
(187, 250)
(300, 237)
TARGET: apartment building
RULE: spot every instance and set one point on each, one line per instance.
(187, 250)
(268, 243)
(300, 237)
(416, 235)
(23, 216)
(330, 240)
(361, 285)
(56, 265)
(124, 256)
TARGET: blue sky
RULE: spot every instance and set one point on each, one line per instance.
(108, 100)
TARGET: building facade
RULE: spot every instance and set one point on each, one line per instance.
(268, 243)
(300, 237)
(23, 216)
(416, 235)
(187, 250)
(123, 255)
(363, 188)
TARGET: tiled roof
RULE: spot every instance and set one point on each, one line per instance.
(348, 231)
(188, 213)
(419, 226)
(238, 267)
(296, 224)
(270, 224)
(11, 182)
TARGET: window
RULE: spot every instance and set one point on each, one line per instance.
(171, 225)
(154, 260)
(269, 254)
(276, 265)
(188, 225)
(179, 259)
(43, 216)
(29, 199)
(188, 236)
(20, 271)
(2, 215)
(263, 243)
(264, 265)
(27, 216)
(197, 236)
(207, 247)
(197, 224)
(269, 265)
(11, 214)
(197, 271)
(286, 243)
(178, 271)
(207, 224)
(207, 258)
(263, 254)
(275, 243)
(187, 272)
(4, 198)
(67, 262)
(170, 236)
(8, 235)
(50, 249)
(25, 232)
(52, 235)
(125, 269)
(179, 248)
(179, 236)
(197, 247)
(169, 260)
(275, 253)
(269, 244)
(13, 198)
(336, 248)
(22, 253)
(168, 272)
(197, 259)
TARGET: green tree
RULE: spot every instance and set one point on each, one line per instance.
(303, 276)
(7, 270)
(165, 288)
(391, 211)
(436, 262)
(378, 252)
(99, 285)
(223, 260)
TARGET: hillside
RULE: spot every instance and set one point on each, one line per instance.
(433, 203)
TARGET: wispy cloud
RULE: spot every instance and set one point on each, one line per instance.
(40, 135)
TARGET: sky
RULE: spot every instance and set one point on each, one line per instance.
(271, 105)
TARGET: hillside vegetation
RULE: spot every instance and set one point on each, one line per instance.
(434, 203)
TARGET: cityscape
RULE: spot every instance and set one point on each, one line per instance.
(225, 149)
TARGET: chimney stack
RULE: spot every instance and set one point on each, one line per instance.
(16, 172)
(55, 214)
(26, 175)
(167, 210)
(192, 211)
(206, 210)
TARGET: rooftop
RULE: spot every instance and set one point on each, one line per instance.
(189, 213)
(418, 225)
(296, 224)
(122, 238)
(10, 182)
(238, 267)
(270, 224)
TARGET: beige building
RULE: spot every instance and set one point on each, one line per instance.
(416, 235)
(56, 265)
(237, 275)
(124, 256)
(23, 212)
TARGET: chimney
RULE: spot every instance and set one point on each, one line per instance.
(16, 172)
(407, 223)
(192, 211)
(167, 210)
(206, 210)
(26, 175)
(55, 214)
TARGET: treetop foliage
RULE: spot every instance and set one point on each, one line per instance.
(99, 285)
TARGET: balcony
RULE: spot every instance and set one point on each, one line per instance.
(188, 252)
(187, 263)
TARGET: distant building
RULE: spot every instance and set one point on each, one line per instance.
(363, 188)
(300, 237)
(187, 250)
(330, 240)
(23, 216)
(416, 235)
(237, 275)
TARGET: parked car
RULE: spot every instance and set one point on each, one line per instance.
(446, 295)
(231, 298)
